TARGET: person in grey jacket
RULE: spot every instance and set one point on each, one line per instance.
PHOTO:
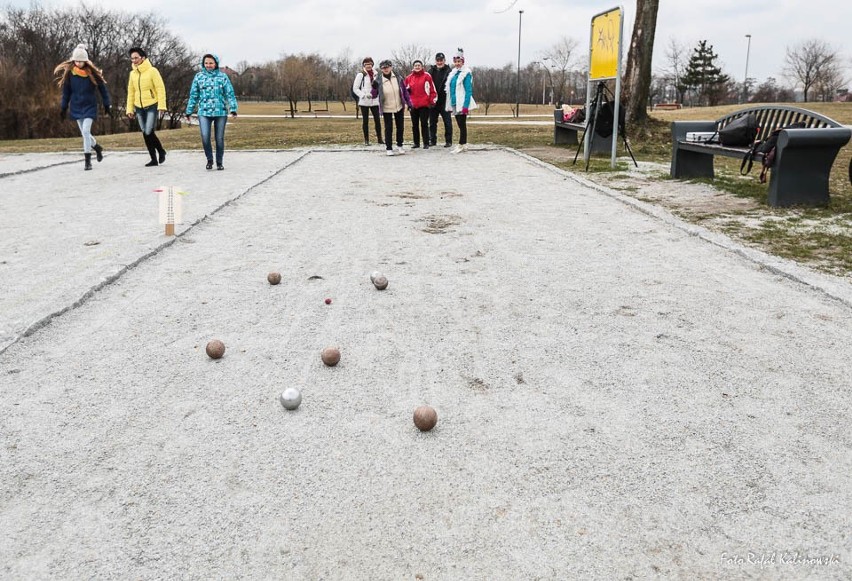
(389, 88)
(363, 88)
(440, 71)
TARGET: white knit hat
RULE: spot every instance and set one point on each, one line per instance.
(80, 53)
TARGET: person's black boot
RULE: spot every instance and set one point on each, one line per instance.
(99, 152)
(88, 162)
(151, 151)
(159, 147)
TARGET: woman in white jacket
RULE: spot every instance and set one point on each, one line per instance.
(362, 87)
(460, 97)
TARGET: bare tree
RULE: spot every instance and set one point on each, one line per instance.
(293, 74)
(343, 69)
(637, 77)
(493, 85)
(560, 60)
(676, 58)
(37, 39)
(405, 55)
(829, 82)
(809, 62)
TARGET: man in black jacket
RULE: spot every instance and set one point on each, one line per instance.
(439, 72)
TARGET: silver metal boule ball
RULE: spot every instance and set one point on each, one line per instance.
(381, 282)
(374, 275)
(291, 398)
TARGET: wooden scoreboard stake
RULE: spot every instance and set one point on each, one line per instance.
(171, 209)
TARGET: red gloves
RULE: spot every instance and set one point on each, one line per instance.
(464, 111)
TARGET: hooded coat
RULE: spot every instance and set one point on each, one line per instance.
(145, 87)
(212, 92)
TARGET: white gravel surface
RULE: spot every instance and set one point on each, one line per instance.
(619, 395)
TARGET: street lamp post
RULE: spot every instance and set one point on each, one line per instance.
(745, 80)
(518, 87)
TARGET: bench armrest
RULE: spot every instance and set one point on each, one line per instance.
(827, 136)
(681, 128)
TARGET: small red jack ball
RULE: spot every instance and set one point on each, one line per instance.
(328, 301)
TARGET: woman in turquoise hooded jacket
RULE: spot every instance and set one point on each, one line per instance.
(213, 95)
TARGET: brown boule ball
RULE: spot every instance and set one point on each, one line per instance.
(331, 356)
(425, 418)
(215, 349)
(274, 277)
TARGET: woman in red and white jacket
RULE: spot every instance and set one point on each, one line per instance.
(423, 97)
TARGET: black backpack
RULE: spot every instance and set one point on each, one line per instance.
(604, 120)
(767, 148)
(741, 131)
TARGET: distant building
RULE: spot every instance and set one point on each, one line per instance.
(232, 74)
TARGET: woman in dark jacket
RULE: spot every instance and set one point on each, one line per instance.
(81, 81)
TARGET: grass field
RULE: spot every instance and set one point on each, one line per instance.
(821, 237)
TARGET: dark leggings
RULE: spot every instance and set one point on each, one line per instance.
(390, 119)
(461, 120)
(365, 121)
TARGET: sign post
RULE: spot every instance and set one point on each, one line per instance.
(607, 33)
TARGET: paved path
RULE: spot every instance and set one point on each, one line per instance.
(618, 396)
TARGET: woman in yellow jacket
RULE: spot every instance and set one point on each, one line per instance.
(146, 96)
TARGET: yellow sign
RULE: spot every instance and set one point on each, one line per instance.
(605, 45)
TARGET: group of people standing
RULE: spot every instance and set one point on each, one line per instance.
(211, 94)
(441, 92)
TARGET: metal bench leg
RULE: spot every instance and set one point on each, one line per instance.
(691, 164)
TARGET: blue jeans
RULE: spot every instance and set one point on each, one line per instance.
(147, 118)
(219, 127)
(85, 126)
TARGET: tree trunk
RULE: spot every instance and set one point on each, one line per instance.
(637, 77)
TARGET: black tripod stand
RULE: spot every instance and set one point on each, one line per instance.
(602, 96)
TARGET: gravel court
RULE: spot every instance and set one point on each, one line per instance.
(82, 232)
(616, 397)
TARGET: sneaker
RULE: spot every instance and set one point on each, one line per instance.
(400, 150)
(433, 143)
(389, 153)
(448, 144)
(415, 146)
(425, 146)
(162, 156)
(220, 167)
(152, 163)
(99, 152)
(209, 164)
(456, 149)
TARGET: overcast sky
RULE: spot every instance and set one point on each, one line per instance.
(261, 30)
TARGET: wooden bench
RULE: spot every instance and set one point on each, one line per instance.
(565, 133)
(803, 157)
(667, 106)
